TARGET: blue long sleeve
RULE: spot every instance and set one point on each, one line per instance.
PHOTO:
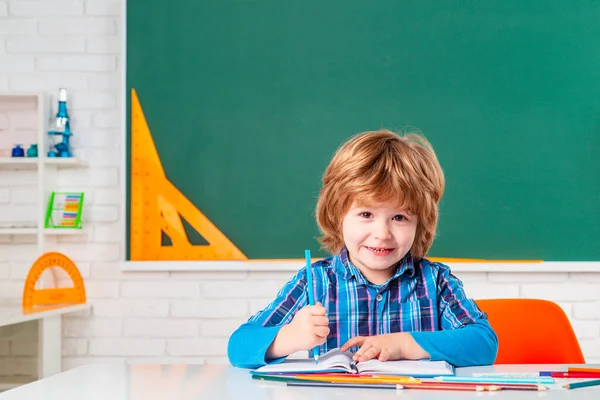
(248, 345)
(465, 337)
(473, 344)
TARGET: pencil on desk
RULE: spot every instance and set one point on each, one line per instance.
(583, 369)
(276, 378)
(595, 382)
(558, 374)
(405, 377)
(420, 386)
(500, 381)
(503, 386)
(450, 386)
(522, 387)
(311, 295)
(343, 385)
(352, 379)
(478, 387)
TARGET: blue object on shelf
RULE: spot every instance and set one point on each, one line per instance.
(18, 151)
(32, 151)
(63, 128)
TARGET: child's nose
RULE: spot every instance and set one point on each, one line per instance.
(382, 231)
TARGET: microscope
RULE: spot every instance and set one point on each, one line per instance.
(62, 127)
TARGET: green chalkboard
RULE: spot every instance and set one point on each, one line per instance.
(247, 100)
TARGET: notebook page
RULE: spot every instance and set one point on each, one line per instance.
(417, 368)
(333, 360)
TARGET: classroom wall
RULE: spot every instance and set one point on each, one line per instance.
(159, 316)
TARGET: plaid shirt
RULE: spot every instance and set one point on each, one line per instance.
(422, 296)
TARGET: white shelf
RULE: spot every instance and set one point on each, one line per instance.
(18, 160)
(72, 162)
(18, 231)
(32, 163)
(18, 95)
(18, 163)
(47, 231)
(63, 231)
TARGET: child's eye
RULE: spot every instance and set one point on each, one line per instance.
(366, 214)
(399, 218)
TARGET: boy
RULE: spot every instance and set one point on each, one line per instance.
(378, 211)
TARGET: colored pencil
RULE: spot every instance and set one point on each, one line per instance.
(583, 369)
(311, 296)
(522, 387)
(549, 373)
(507, 386)
(510, 375)
(342, 385)
(390, 379)
(557, 374)
(275, 378)
(350, 379)
(333, 374)
(409, 378)
(463, 379)
(595, 382)
(419, 386)
(356, 376)
(450, 386)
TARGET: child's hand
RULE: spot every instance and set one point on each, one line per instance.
(390, 347)
(382, 347)
(310, 327)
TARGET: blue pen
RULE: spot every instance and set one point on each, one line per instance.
(311, 295)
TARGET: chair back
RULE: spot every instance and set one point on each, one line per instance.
(532, 331)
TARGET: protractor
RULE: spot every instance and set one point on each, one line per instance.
(33, 297)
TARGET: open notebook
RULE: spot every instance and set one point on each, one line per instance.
(336, 361)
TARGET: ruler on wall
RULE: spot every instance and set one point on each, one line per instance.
(157, 207)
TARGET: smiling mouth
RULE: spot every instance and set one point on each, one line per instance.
(379, 250)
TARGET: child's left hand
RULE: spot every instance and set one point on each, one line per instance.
(383, 347)
(388, 347)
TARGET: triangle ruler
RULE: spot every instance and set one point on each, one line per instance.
(157, 207)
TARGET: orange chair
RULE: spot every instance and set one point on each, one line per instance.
(532, 331)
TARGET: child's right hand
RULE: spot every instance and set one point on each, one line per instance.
(309, 327)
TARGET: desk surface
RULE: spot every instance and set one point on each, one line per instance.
(195, 382)
(14, 313)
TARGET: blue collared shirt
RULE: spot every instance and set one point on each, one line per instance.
(423, 298)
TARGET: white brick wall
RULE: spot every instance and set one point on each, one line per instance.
(17, 188)
(152, 317)
(44, 45)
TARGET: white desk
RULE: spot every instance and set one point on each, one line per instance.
(49, 333)
(216, 382)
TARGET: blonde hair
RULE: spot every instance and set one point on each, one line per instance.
(381, 167)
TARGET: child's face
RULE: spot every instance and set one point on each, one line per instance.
(377, 237)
